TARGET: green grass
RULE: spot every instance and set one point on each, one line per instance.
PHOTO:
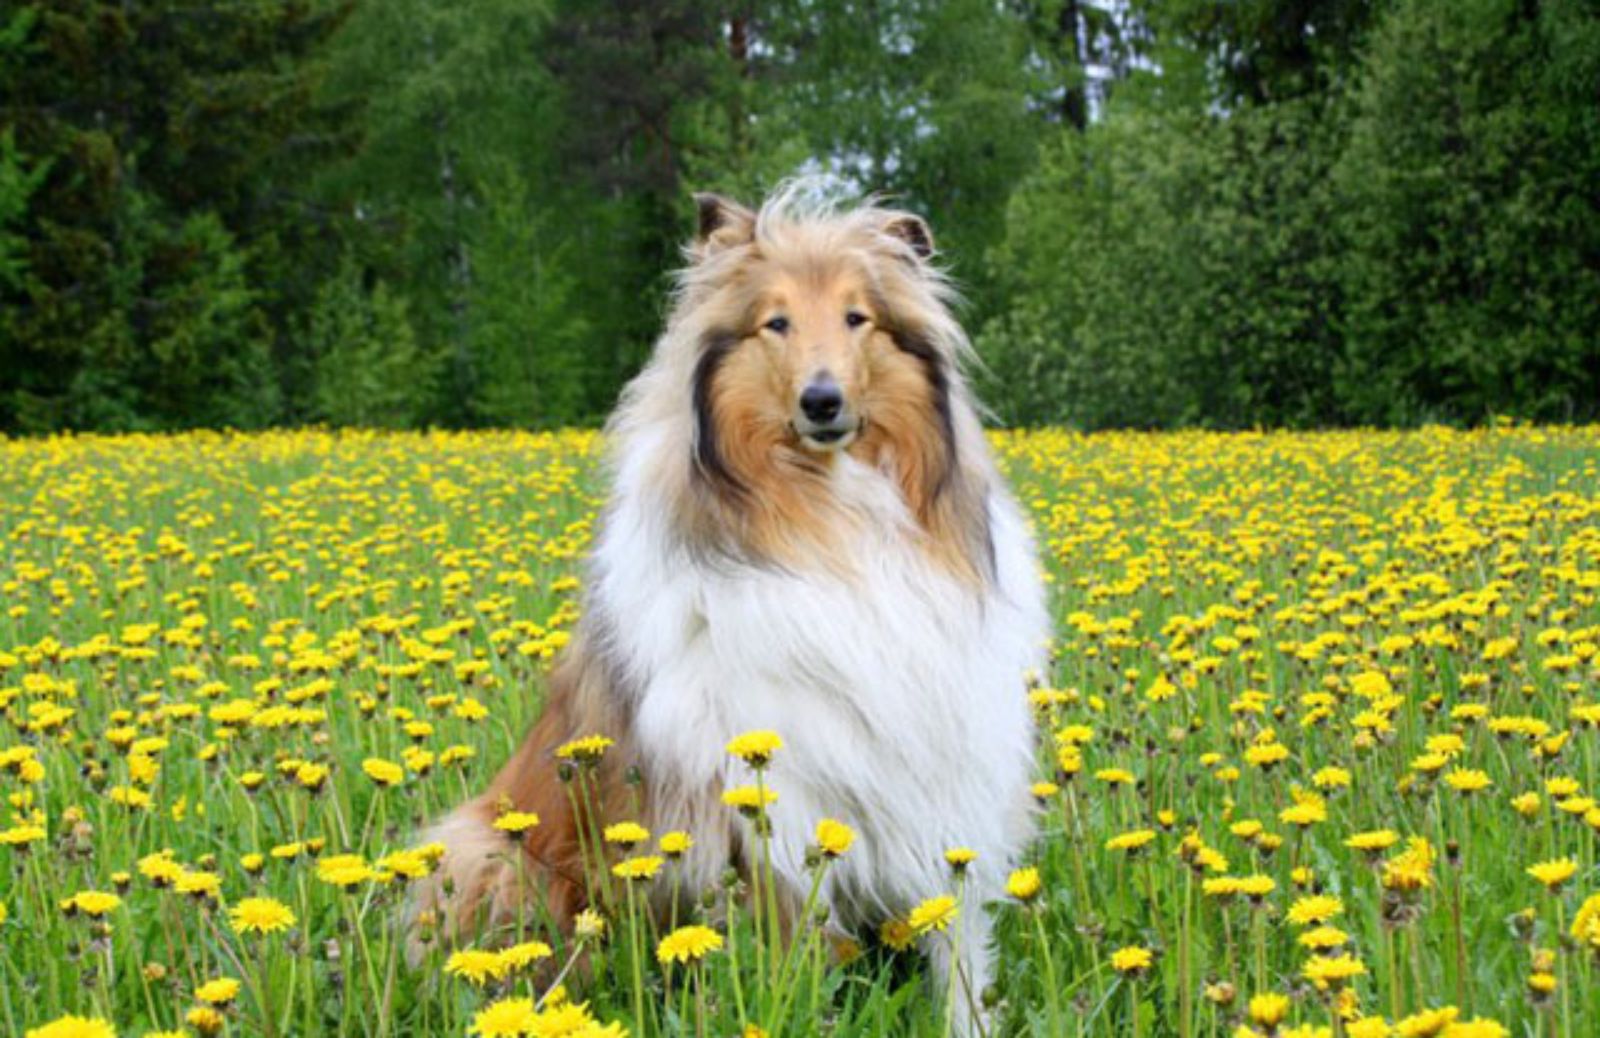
(1210, 590)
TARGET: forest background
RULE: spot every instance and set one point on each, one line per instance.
(408, 213)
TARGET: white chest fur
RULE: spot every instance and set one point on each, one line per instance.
(899, 694)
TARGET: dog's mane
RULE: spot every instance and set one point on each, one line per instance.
(663, 441)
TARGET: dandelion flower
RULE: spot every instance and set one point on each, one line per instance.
(1586, 924)
(626, 834)
(1373, 842)
(22, 836)
(589, 925)
(1324, 939)
(640, 868)
(521, 956)
(1332, 971)
(219, 992)
(261, 915)
(1315, 910)
(933, 914)
(515, 823)
(897, 934)
(507, 1018)
(834, 838)
(1024, 884)
(1468, 780)
(204, 1019)
(748, 799)
(1553, 874)
(587, 750)
(756, 748)
(1269, 1009)
(688, 944)
(1131, 842)
(476, 965)
(1132, 960)
(92, 903)
(383, 772)
(958, 858)
(344, 870)
(1411, 869)
(74, 1027)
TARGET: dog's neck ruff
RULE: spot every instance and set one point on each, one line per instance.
(899, 692)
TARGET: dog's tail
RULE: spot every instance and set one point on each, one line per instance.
(488, 878)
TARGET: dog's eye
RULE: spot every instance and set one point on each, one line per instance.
(777, 324)
(855, 319)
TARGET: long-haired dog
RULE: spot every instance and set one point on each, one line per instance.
(806, 533)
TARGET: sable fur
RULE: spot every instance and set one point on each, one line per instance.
(878, 605)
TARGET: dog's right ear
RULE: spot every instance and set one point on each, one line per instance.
(722, 223)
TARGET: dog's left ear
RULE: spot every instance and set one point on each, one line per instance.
(913, 230)
(720, 223)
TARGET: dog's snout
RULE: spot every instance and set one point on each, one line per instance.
(822, 400)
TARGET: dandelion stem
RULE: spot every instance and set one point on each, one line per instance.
(637, 957)
(1185, 989)
(1052, 996)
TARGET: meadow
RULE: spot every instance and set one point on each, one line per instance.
(1319, 753)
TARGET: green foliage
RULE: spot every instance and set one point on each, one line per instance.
(17, 183)
(1468, 191)
(530, 334)
(1163, 212)
(1170, 268)
(369, 370)
(156, 290)
(1421, 246)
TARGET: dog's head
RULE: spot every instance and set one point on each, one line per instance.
(805, 334)
(822, 331)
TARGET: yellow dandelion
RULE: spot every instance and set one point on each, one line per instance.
(688, 944)
(834, 838)
(219, 992)
(1024, 884)
(935, 913)
(74, 1027)
(261, 915)
(756, 748)
(1131, 961)
(640, 868)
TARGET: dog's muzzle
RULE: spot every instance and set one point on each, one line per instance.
(824, 423)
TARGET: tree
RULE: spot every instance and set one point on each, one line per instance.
(171, 136)
(459, 151)
(1467, 194)
(369, 370)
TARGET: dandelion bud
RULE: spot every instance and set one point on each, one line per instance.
(566, 771)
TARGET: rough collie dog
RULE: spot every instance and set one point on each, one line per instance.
(806, 533)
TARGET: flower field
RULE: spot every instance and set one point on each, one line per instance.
(1319, 754)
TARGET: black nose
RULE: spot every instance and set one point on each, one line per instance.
(822, 400)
